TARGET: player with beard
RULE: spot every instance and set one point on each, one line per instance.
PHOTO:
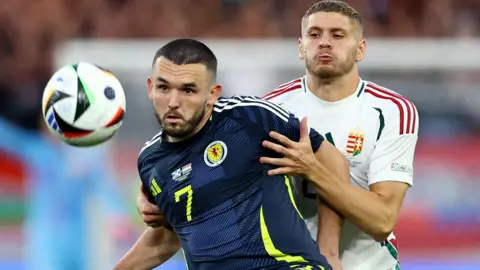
(374, 127)
(203, 172)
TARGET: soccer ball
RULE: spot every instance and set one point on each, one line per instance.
(83, 104)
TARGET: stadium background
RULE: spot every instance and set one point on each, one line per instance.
(425, 50)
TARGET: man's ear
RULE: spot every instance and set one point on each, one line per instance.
(215, 92)
(150, 88)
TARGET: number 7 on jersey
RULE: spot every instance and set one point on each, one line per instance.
(186, 190)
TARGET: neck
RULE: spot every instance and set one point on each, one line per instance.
(199, 127)
(334, 89)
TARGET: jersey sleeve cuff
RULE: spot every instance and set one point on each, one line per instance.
(391, 177)
(317, 142)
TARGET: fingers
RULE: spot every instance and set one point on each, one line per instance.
(281, 171)
(304, 130)
(154, 220)
(280, 162)
(150, 213)
(147, 218)
(149, 209)
(145, 207)
(275, 147)
(281, 139)
(154, 225)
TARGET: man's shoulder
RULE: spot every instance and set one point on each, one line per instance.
(394, 107)
(149, 148)
(248, 107)
(286, 91)
(386, 98)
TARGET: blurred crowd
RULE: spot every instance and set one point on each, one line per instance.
(30, 29)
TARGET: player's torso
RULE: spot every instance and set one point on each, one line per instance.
(215, 195)
(353, 125)
(197, 183)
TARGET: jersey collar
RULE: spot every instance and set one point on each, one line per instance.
(190, 141)
(358, 92)
(360, 88)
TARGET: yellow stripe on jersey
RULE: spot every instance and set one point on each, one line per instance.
(308, 267)
(270, 247)
(290, 193)
(155, 188)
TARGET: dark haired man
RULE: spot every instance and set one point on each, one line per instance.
(203, 172)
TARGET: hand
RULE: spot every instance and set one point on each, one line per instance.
(298, 157)
(150, 213)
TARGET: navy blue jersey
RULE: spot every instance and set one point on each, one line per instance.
(227, 212)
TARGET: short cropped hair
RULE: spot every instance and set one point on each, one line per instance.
(336, 7)
(188, 51)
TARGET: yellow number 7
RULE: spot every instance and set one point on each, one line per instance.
(189, 191)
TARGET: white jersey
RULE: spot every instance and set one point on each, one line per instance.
(376, 130)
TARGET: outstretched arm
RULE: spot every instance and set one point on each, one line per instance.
(374, 211)
(154, 247)
(328, 233)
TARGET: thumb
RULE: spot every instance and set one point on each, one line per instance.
(304, 130)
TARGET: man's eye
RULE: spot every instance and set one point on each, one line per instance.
(162, 87)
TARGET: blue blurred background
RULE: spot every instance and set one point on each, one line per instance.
(68, 208)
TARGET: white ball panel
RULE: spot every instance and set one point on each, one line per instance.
(92, 119)
(67, 82)
(64, 80)
(66, 109)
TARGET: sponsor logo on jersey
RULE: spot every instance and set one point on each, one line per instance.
(182, 173)
(401, 168)
(355, 142)
(215, 153)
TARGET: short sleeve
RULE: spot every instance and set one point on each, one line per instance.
(275, 118)
(145, 181)
(265, 116)
(393, 155)
(291, 129)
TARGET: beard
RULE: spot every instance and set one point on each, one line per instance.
(330, 72)
(182, 129)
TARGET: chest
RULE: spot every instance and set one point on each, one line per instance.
(353, 129)
(205, 174)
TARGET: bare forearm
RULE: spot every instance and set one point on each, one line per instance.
(154, 247)
(367, 210)
(329, 229)
(364, 208)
